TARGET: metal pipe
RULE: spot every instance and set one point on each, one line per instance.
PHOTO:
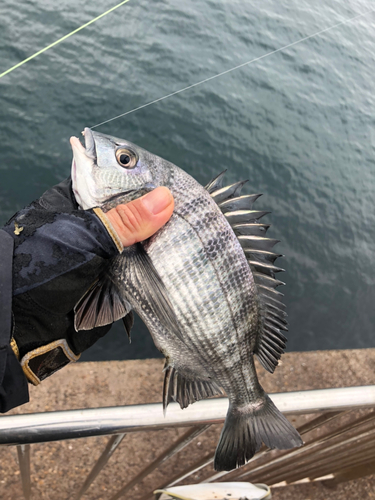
(208, 459)
(359, 471)
(110, 448)
(335, 469)
(326, 458)
(177, 446)
(280, 467)
(363, 456)
(292, 457)
(319, 421)
(303, 429)
(23, 452)
(55, 426)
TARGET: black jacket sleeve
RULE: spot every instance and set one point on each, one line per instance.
(59, 251)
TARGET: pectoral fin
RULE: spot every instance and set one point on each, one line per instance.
(101, 305)
(141, 274)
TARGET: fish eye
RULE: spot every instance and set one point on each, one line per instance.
(126, 157)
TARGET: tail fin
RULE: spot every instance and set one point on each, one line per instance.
(246, 427)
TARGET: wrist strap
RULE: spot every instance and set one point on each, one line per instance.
(46, 360)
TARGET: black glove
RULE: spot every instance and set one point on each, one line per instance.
(59, 251)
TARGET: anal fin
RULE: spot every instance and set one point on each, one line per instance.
(185, 390)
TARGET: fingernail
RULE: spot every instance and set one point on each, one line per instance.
(157, 200)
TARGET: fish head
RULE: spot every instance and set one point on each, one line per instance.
(108, 169)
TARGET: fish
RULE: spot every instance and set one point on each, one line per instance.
(204, 285)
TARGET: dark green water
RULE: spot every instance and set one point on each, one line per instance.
(299, 124)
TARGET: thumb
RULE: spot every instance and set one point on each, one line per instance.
(139, 219)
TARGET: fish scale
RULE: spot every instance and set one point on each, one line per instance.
(176, 280)
(225, 273)
(206, 295)
(226, 253)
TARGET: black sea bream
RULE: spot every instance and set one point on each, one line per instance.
(204, 285)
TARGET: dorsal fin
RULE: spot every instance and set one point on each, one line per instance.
(216, 183)
(255, 229)
(257, 242)
(238, 216)
(258, 249)
(239, 203)
(227, 192)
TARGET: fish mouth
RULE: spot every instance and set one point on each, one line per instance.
(84, 161)
(129, 195)
(78, 152)
(77, 145)
(89, 150)
(89, 143)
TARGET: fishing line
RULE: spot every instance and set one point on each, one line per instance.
(62, 39)
(234, 68)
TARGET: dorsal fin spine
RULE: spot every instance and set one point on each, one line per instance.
(264, 279)
(216, 183)
(265, 268)
(273, 328)
(239, 203)
(274, 303)
(280, 338)
(270, 292)
(279, 323)
(227, 192)
(261, 256)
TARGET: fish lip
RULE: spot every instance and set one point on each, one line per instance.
(81, 172)
(77, 145)
(89, 144)
(74, 172)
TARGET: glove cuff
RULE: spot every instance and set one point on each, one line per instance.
(46, 360)
(111, 231)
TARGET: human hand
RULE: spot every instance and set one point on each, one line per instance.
(139, 219)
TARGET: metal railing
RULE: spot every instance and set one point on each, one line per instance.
(340, 441)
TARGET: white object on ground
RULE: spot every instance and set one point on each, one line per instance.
(216, 491)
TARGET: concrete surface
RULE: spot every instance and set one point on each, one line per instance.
(58, 469)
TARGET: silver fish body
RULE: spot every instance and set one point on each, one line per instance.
(193, 287)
